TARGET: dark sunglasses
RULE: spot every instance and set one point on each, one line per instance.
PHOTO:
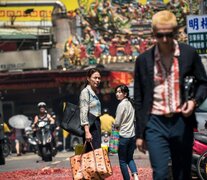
(167, 35)
(42, 106)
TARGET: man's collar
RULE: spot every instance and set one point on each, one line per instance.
(175, 54)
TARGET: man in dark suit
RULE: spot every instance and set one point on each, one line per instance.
(164, 118)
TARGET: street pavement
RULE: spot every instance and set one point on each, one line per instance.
(61, 160)
(29, 166)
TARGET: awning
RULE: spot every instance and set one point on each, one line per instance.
(17, 36)
(7, 34)
(43, 79)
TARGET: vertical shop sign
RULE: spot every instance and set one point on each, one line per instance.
(197, 32)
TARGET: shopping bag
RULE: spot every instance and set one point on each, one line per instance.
(114, 141)
(79, 149)
(71, 120)
(91, 165)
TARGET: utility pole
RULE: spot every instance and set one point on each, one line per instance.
(203, 5)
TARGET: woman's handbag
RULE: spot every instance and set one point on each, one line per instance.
(114, 141)
(91, 165)
(71, 120)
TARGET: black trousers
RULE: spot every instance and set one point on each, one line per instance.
(170, 138)
(2, 159)
(95, 131)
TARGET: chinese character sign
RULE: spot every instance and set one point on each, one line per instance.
(197, 24)
(197, 32)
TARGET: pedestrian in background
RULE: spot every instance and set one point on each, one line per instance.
(164, 119)
(124, 121)
(106, 121)
(89, 102)
(43, 115)
(19, 141)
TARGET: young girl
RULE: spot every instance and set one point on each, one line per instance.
(124, 121)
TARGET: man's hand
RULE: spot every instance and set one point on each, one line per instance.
(188, 108)
(141, 145)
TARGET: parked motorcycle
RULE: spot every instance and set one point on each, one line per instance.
(45, 141)
(199, 158)
(2, 158)
(6, 146)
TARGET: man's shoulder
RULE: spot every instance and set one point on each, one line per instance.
(145, 55)
(148, 51)
(184, 46)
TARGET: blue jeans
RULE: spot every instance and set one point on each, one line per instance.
(170, 138)
(125, 153)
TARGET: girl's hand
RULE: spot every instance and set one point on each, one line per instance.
(141, 145)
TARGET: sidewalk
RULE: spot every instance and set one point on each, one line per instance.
(141, 159)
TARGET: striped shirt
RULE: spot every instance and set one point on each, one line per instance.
(166, 98)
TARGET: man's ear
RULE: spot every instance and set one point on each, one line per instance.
(153, 32)
(176, 34)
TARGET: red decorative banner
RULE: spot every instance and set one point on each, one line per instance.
(118, 78)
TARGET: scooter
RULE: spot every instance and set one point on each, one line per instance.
(199, 158)
(31, 139)
(45, 141)
(105, 137)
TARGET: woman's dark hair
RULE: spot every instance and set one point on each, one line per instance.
(92, 71)
(125, 89)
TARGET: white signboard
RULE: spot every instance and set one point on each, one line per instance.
(197, 32)
(20, 60)
(196, 24)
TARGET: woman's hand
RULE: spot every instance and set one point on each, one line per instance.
(88, 136)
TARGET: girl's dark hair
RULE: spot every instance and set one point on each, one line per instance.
(125, 89)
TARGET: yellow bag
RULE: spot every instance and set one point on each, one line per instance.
(91, 165)
(78, 149)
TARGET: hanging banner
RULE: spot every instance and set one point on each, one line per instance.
(118, 78)
(35, 13)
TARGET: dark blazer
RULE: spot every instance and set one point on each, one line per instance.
(189, 64)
